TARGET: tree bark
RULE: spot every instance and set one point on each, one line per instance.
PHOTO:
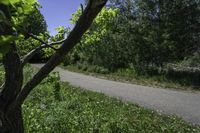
(12, 121)
(10, 116)
(13, 77)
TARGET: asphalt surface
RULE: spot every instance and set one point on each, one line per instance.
(171, 102)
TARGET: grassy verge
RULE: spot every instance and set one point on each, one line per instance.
(129, 76)
(60, 108)
(81, 111)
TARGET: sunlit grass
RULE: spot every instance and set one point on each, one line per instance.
(81, 111)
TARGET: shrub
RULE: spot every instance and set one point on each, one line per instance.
(193, 61)
(184, 75)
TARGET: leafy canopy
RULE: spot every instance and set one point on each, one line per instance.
(100, 27)
(13, 16)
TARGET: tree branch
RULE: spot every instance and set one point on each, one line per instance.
(58, 42)
(84, 22)
(28, 56)
(2, 86)
(82, 8)
(40, 40)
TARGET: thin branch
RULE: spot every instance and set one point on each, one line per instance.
(40, 40)
(58, 42)
(84, 22)
(2, 86)
(82, 8)
(28, 56)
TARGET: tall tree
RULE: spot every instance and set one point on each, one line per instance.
(170, 28)
(13, 93)
(151, 33)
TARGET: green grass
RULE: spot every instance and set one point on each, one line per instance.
(80, 111)
(130, 76)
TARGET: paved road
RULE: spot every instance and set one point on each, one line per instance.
(182, 104)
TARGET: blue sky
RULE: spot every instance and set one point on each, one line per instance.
(58, 12)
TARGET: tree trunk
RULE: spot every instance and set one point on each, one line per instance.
(12, 95)
(12, 121)
(10, 116)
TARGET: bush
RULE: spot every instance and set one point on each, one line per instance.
(184, 75)
(54, 79)
(91, 68)
(99, 69)
(193, 61)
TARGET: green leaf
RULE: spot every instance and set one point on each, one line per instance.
(14, 1)
(20, 10)
(8, 2)
(27, 9)
(7, 39)
(5, 2)
(31, 2)
(4, 49)
(5, 43)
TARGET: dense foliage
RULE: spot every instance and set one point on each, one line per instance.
(24, 19)
(13, 14)
(88, 50)
(140, 33)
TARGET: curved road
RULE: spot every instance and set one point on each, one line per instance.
(171, 102)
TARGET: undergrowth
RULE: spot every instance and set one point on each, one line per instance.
(151, 77)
